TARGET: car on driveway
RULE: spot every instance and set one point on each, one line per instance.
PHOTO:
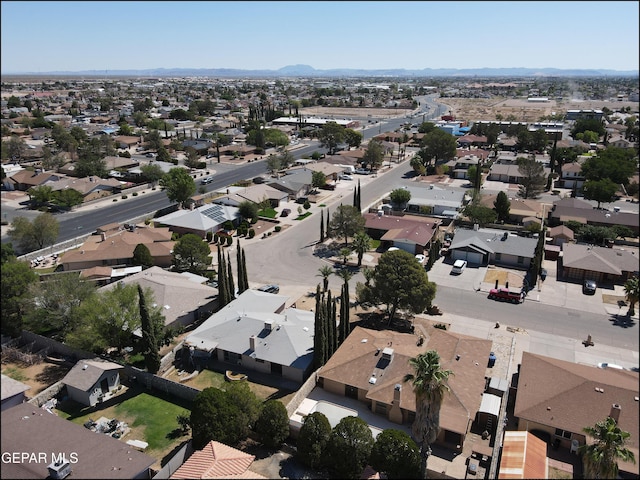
(362, 171)
(458, 267)
(589, 287)
(285, 212)
(269, 288)
(344, 176)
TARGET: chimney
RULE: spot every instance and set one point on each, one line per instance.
(396, 393)
(615, 412)
(252, 342)
(103, 236)
(268, 325)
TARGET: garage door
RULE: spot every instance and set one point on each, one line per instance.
(470, 257)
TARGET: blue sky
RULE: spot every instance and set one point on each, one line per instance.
(71, 36)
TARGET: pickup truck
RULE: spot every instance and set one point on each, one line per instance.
(504, 294)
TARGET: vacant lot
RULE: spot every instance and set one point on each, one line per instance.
(38, 376)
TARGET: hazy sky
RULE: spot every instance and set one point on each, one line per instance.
(72, 36)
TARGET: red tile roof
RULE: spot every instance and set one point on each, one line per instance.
(217, 460)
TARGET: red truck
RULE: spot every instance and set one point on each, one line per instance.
(504, 294)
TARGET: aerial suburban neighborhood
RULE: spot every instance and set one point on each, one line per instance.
(290, 275)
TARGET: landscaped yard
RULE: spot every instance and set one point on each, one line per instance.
(268, 212)
(303, 216)
(151, 419)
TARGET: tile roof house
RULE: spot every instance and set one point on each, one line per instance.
(256, 332)
(520, 208)
(602, 264)
(217, 460)
(184, 297)
(42, 435)
(582, 211)
(207, 218)
(578, 396)
(370, 366)
(408, 232)
(497, 247)
(560, 234)
(12, 392)
(91, 381)
(115, 247)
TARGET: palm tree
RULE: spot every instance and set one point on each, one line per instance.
(600, 458)
(632, 293)
(325, 272)
(361, 243)
(429, 385)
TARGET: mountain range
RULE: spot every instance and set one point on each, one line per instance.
(308, 71)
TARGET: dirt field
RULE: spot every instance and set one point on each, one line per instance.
(38, 376)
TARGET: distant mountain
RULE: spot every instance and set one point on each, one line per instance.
(308, 71)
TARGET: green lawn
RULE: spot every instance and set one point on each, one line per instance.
(267, 212)
(303, 216)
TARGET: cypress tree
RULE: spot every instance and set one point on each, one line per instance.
(223, 298)
(245, 278)
(230, 282)
(149, 339)
(359, 205)
(328, 230)
(331, 327)
(239, 273)
(321, 226)
(345, 327)
(319, 345)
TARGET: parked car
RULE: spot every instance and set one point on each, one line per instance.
(285, 212)
(328, 186)
(362, 171)
(420, 258)
(150, 155)
(301, 199)
(589, 287)
(610, 365)
(269, 288)
(506, 295)
(458, 267)
(206, 180)
(344, 176)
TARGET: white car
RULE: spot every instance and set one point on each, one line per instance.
(420, 258)
(610, 365)
(393, 249)
(344, 176)
(458, 267)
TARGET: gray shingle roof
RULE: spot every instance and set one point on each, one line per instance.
(493, 241)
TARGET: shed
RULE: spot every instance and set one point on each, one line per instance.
(91, 381)
(489, 411)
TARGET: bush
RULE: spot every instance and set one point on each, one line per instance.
(147, 221)
(252, 233)
(306, 205)
(229, 240)
(115, 200)
(201, 165)
(278, 228)
(209, 236)
(124, 197)
(134, 194)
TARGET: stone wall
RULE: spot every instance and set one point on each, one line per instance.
(302, 393)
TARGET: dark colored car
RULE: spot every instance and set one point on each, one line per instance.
(285, 212)
(589, 287)
(543, 274)
(269, 288)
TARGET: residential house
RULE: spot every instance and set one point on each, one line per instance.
(217, 460)
(12, 392)
(411, 233)
(433, 200)
(255, 193)
(520, 208)
(370, 366)
(184, 297)
(296, 183)
(23, 180)
(509, 173)
(114, 162)
(484, 246)
(582, 211)
(459, 166)
(255, 333)
(107, 275)
(604, 265)
(620, 142)
(115, 246)
(571, 176)
(43, 435)
(469, 140)
(92, 381)
(126, 141)
(208, 218)
(91, 188)
(561, 398)
(330, 171)
(560, 235)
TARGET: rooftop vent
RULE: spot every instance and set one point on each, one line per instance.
(59, 469)
(387, 353)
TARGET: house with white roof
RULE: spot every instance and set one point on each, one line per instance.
(255, 332)
(435, 201)
(207, 218)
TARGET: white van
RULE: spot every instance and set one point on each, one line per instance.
(458, 267)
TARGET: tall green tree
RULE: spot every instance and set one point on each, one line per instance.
(601, 457)
(349, 447)
(346, 222)
(361, 244)
(16, 279)
(400, 197)
(318, 179)
(150, 340)
(631, 292)
(345, 305)
(215, 416)
(313, 439)
(178, 185)
(396, 454)
(373, 155)
(191, 254)
(232, 287)
(223, 289)
(353, 137)
(401, 283)
(533, 181)
(33, 235)
(319, 336)
(502, 205)
(325, 272)
(616, 164)
(429, 381)
(437, 145)
(273, 424)
(603, 190)
(321, 226)
(142, 256)
(152, 173)
(331, 135)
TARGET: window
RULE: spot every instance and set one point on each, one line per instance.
(520, 259)
(562, 433)
(381, 408)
